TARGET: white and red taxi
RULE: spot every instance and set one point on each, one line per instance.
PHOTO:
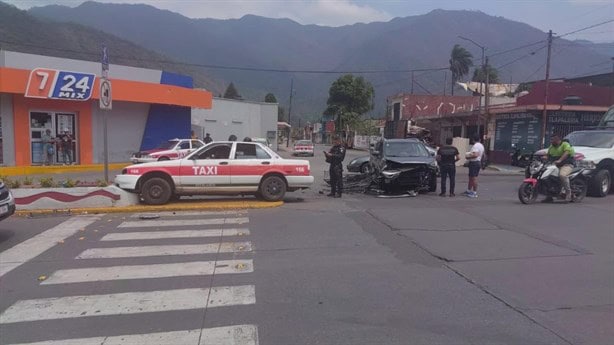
(171, 149)
(303, 148)
(219, 168)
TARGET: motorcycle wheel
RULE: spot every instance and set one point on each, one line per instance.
(578, 190)
(527, 194)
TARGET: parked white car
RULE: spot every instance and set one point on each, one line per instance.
(597, 147)
(171, 149)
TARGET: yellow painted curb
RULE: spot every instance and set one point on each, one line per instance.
(57, 169)
(176, 206)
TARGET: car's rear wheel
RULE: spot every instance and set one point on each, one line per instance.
(156, 191)
(163, 159)
(599, 185)
(272, 188)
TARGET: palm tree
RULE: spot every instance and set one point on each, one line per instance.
(460, 61)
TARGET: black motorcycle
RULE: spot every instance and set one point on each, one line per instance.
(543, 178)
(520, 157)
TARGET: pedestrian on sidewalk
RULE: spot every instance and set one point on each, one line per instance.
(208, 138)
(48, 147)
(475, 165)
(66, 146)
(335, 157)
(447, 156)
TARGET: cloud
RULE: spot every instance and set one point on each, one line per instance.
(321, 12)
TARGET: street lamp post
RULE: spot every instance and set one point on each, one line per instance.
(484, 70)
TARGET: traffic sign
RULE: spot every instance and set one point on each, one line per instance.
(106, 99)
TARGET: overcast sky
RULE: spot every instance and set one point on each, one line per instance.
(561, 16)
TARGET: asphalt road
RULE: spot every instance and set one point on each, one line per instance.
(357, 270)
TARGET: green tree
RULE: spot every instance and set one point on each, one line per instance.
(480, 77)
(349, 98)
(270, 98)
(231, 92)
(460, 61)
(281, 112)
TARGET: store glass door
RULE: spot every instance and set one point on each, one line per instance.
(63, 149)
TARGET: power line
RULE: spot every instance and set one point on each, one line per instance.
(520, 58)
(236, 68)
(516, 48)
(534, 73)
(586, 28)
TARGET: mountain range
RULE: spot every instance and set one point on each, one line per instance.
(261, 55)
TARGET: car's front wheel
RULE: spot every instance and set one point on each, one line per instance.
(156, 191)
(599, 185)
(365, 168)
(272, 188)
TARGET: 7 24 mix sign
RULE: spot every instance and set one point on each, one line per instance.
(54, 84)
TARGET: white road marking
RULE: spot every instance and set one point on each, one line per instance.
(150, 235)
(182, 222)
(127, 303)
(231, 335)
(190, 213)
(33, 247)
(195, 268)
(165, 250)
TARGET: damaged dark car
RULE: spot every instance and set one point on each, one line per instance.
(401, 165)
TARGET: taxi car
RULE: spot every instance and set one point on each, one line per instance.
(219, 168)
(303, 148)
(171, 149)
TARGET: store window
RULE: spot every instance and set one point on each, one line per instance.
(53, 138)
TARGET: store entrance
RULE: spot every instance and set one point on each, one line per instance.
(53, 138)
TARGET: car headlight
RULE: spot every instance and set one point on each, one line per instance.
(391, 174)
(585, 163)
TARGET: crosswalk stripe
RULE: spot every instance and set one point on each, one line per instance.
(229, 335)
(182, 222)
(150, 235)
(165, 250)
(127, 303)
(33, 247)
(195, 268)
(188, 213)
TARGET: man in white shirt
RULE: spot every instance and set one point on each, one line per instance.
(475, 164)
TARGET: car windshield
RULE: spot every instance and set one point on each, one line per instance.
(405, 149)
(167, 145)
(592, 139)
(303, 142)
(608, 117)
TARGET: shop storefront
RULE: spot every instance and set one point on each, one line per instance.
(50, 112)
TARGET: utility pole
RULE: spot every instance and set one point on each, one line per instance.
(486, 99)
(412, 82)
(445, 81)
(290, 111)
(545, 111)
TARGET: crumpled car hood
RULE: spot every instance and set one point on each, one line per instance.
(410, 160)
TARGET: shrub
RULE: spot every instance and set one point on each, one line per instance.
(69, 183)
(14, 184)
(101, 183)
(27, 181)
(47, 182)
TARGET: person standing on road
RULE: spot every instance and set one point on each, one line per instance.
(66, 146)
(447, 156)
(335, 157)
(562, 154)
(207, 138)
(475, 164)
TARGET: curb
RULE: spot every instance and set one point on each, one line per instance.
(177, 206)
(58, 169)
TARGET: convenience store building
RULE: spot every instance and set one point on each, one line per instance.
(41, 92)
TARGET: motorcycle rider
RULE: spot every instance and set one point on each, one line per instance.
(335, 157)
(561, 153)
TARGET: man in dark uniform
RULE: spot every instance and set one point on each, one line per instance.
(335, 157)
